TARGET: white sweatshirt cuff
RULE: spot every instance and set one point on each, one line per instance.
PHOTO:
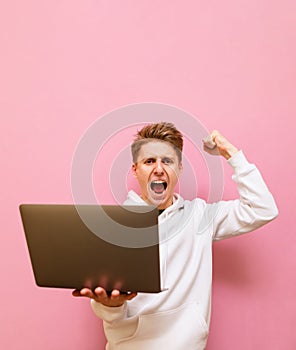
(108, 313)
(239, 162)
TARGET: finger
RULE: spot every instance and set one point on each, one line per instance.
(85, 292)
(131, 296)
(76, 293)
(208, 142)
(214, 134)
(212, 151)
(100, 292)
(115, 293)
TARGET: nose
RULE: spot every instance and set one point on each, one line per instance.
(158, 167)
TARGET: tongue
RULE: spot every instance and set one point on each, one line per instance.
(158, 188)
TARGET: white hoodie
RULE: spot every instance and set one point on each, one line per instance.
(179, 317)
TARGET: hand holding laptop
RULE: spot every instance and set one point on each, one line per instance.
(101, 296)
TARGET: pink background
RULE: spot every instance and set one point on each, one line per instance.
(230, 63)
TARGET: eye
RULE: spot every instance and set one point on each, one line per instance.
(149, 161)
(167, 161)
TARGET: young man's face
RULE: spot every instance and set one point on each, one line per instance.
(157, 170)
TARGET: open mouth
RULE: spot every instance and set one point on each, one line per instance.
(158, 186)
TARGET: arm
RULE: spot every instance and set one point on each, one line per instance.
(256, 205)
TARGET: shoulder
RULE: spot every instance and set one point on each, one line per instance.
(198, 204)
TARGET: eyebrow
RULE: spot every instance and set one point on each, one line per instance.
(155, 157)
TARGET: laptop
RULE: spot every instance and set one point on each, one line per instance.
(76, 246)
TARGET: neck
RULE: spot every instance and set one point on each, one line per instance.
(160, 206)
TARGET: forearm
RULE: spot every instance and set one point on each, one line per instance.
(252, 188)
(254, 208)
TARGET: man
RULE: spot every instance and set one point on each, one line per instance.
(179, 317)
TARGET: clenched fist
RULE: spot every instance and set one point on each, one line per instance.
(217, 144)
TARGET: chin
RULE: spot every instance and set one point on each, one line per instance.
(161, 203)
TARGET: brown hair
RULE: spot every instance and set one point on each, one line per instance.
(159, 131)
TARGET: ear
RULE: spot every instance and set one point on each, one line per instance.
(180, 167)
(134, 170)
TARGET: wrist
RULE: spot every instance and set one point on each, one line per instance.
(230, 152)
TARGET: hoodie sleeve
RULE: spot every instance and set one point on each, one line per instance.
(254, 208)
(109, 314)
